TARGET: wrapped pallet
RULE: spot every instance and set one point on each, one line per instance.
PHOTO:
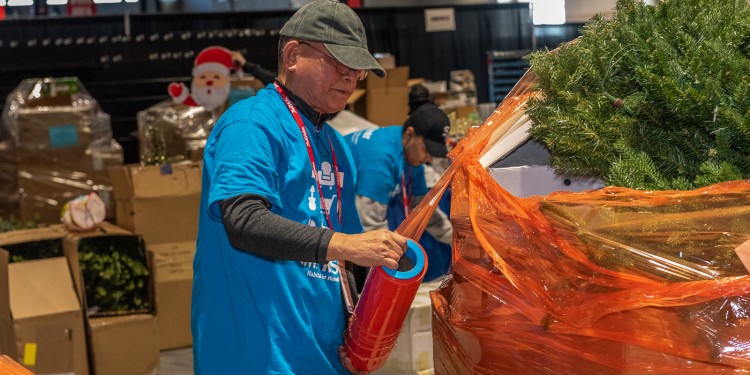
(614, 281)
(63, 145)
(8, 179)
(609, 281)
(171, 132)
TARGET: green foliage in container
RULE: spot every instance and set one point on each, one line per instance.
(115, 274)
(34, 250)
(11, 223)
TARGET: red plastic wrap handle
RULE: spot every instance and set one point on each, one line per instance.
(382, 309)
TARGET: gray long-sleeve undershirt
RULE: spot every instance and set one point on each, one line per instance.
(253, 228)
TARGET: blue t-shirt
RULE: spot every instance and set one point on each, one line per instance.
(255, 315)
(379, 158)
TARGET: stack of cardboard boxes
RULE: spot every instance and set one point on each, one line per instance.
(383, 101)
(121, 342)
(40, 315)
(161, 204)
(63, 145)
(45, 323)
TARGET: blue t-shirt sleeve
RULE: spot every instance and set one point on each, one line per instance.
(243, 161)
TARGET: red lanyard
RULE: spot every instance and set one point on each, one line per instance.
(407, 197)
(342, 265)
(310, 154)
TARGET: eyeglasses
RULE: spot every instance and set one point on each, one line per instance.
(341, 69)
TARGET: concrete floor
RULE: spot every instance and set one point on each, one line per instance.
(176, 362)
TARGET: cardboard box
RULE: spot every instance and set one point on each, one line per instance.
(48, 323)
(124, 345)
(7, 336)
(159, 203)
(172, 266)
(396, 77)
(56, 126)
(386, 60)
(413, 353)
(387, 106)
(133, 247)
(44, 192)
(525, 181)
(33, 244)
(385, 101)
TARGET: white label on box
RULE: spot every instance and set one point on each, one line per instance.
(439, 19)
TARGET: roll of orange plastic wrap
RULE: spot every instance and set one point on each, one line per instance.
(382, 309)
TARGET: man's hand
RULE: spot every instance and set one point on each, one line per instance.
(369, 249)
(238, 60)
(347, 363)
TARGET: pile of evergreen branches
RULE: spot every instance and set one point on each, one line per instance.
(655, 97)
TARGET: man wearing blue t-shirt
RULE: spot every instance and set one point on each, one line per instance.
(390, 166)
(278, 223)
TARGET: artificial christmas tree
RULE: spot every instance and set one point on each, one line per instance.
(657, 97)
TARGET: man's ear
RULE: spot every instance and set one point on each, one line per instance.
(407, 136)
(290, 54)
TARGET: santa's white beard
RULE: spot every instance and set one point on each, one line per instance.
(211, 97)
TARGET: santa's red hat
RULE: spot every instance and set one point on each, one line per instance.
(213, 59)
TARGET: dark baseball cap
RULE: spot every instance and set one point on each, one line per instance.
(430, 122)
(337, 26)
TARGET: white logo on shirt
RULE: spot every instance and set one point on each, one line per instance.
(327, 271)
(329, 204)
(326, 175)
(396, 191)
(312, 200)
(368, 133)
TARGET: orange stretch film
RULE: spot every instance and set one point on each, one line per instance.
(11, 367)
(495, 126)
(611, 281)
(381, 311)
(385, 301)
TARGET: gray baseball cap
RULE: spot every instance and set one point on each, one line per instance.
(337, 26)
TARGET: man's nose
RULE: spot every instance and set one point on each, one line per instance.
(209, 83)
(351, 75)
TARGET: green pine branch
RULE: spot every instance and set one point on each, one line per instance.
(655, 97)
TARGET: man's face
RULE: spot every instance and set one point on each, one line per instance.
(415, 151)
(321, 86)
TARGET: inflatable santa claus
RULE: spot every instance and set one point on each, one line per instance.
(210, 86)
